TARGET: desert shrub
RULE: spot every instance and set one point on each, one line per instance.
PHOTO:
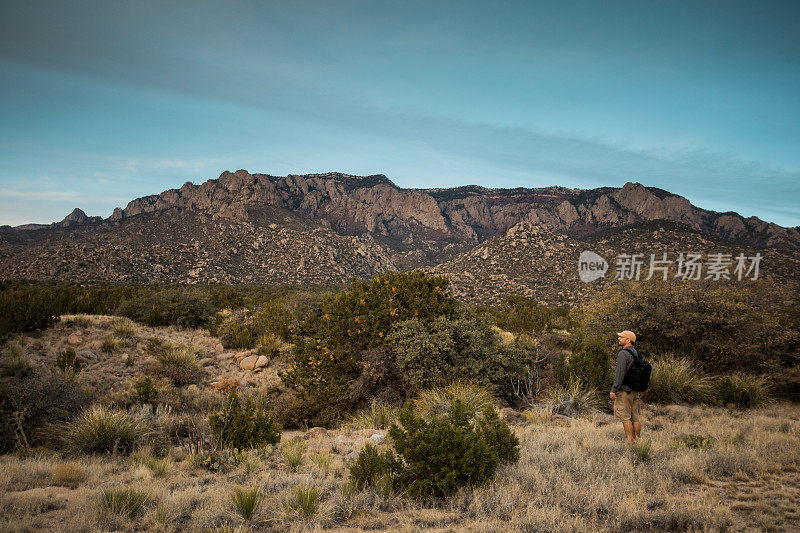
(68, 362)
(246, 328)
(247, 501)
(677, 380)
(371, 464)
(742, 390)
(716, 324)
(179, 307)
(522, 314)
(25, 309)
(573, 399)
(243, 426)
(269, 345)
(106, 430)
(293, 452)
(178, 363)
(14, 360)
(124, 327)
(28, 406)
(326, 361)
(322, 460)
(124, 501)
(589, 362)
(237, 331)
(444, 454)
(110, 344)
(146, 391)
(499, 437)
(442, 350)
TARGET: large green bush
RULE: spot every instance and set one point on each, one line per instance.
(180, 307)
(589, 363)
(243, 426)
(442, 455)
(25, 309)
(716, 324)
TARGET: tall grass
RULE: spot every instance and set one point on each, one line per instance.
(743, 390)
(125, 502)
(436, 401)
(178, 356)
(376, 416)
(104, 430)
(124, 327)
(678, 380)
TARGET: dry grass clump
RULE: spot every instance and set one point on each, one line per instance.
(436, 401)
(105, 430)
(304, 503)
(573, 399)
(111, 344)
(68, 474)
(743, 390)
(127, 502)
(178, 356)
(677, 380)
(84, 321)
(124, 327)
(376, 416)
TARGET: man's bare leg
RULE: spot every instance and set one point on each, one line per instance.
(628, 427)
(637, 429)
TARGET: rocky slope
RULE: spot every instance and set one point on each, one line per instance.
(329, 228)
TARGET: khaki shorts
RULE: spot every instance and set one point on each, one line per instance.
(626, 406)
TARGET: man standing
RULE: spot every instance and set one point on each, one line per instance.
(626, 400)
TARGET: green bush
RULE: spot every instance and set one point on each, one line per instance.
(718, 325)
(693, 441)
(146, 391)
(522, 314)
(500, 438)
(742, 390)
(105, 430)
(371, 465)
(448, 452)
(179, 307)
(677, 380)
(243, 426)
(67, 361)
(589, 362)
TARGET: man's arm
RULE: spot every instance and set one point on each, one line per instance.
(622, 369)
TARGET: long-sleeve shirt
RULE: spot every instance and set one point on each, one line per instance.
(624, 362)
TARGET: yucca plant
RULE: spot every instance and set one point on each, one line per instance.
(304, 502)
(127, 502)
(293, 452)
(677, 380)
(247, 501)
(573, 399)
(105, 430)
(436, 401)
(158, 467)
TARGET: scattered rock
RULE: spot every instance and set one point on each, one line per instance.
(351, 457)
(75, 339)
(378, 438)
(249, 362)
(339, 443)
(315, 432)
(225, 356)
(86, 357)
(219, 348)
(262, 361)
(511, 416)
(207, 361)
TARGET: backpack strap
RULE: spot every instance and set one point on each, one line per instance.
(635, 353)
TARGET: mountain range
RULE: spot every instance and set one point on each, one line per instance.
(329, 228)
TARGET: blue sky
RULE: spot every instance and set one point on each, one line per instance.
(102, 102)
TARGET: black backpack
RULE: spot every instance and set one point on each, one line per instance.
(638, 375)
